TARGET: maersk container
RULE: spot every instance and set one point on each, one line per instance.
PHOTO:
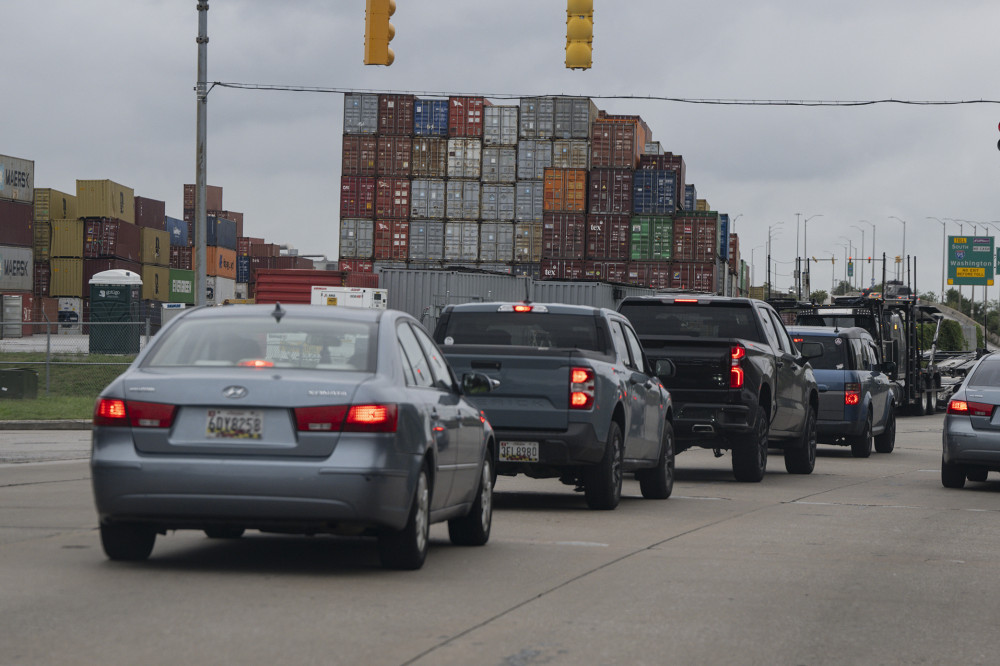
(465, 116)
(427, 199)
(360, 113)
(394, 154)
(527, 242)
(105, 198)
(465, 158)
(652, 238)
(17, 272)
(499, 164)
(461, 241)
(608, 237)
(573, 117)
(497, 203)
(529, 200)
(496, 242)
(392, 240)
(430, 117)
(426, 240)
(533, 158)
(178, 230)
(357, 196)
(571, 154)
(655, 192)
(54, 205)
(16, 223)
(565, 190)
(462, 197)
(564, 235)
(429, 158)
(594, 294)
(537, 118)
(610, 191)
(500, 125)
(395, 115)
(360, 155)
(17, 179)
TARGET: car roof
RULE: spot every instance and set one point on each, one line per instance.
(298, 310)
(830, 331)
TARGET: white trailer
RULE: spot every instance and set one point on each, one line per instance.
(352, 297)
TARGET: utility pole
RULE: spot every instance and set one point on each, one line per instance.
(200, 213)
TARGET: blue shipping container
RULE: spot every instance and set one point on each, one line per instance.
(690, 197)
(242, 269)
(221, 232)
(178, 230)
(430, 117)
(655, 192)
(724, 236)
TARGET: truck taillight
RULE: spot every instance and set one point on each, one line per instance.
(852, 394)
(736, 375)
(581, 388)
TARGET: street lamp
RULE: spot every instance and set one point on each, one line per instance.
(862, 253)
(944, 253)
(769, 229)
(753, 263)
(893, 217)
(873, 248)
(805, 246)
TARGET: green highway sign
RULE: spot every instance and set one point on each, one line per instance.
(970, 260)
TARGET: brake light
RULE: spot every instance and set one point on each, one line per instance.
(371, 418)
(109, 412)
(581, 388)
(798, 340)
(113, 412)
(256, 363)
(736, 374)
(522, 308)
(852, 394)
(966, 408)
(325, 418)
(685, 300)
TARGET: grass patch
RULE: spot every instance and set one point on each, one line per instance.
(73, 380)
(47, 409)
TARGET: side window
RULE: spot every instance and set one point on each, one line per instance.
(785, 343)
(414, 356)
(442, 374)
(768, 324)
(618, 338)
(857, 355)
(636, 348)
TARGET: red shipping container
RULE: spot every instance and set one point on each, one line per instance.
(360, 154)
(734, 252)
(357, 196)
(465, 116)
(616, 144)
(565, 190)
(111, 238)
(394, 154)
(666, 162)
(356, 265)
(653, 274)
(43, 273)
(561, 269)
(260, 263)
(242, 246)
(392, 198)
(608, 237)
(694, 276)
(563, 235)
(213, 197)
(610, 191)
(182, 257)
(606, 271)
(150, 213)
(361, 280)
(46, 310)
(262, 249)
(27, 310)
(696, 238)
(292, 285)
(17, 223)
(392, 240)
(395, 115)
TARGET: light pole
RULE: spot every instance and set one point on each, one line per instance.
(850, 244)
(845, 246)
(873, 249)
(805, 247)
(833, 276)
(862, 254)
(769, 229)
(753, 264)
(893, 217)
(944, 253)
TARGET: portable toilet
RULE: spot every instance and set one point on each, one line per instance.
(115, 297)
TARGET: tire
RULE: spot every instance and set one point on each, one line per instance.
(931, 403)
(603, 489)
(802, 458)
(952, 475)
(977, 474)
(886, 442)
(861, 445)
(473, 529)
(658, 482)
(750, 454)
(224, 532)
(128, 543)
(407, 548)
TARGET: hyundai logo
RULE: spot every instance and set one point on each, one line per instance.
(234, 392)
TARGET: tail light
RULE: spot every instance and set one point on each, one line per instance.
(966, 408)
(112, 412)
(852, 394)
(344, 418)
(736, 376)
(581, 388)
(326, 418)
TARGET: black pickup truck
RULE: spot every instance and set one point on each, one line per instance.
(740, 383)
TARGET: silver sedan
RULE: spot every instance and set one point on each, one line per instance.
(971, 436)
(292, 419)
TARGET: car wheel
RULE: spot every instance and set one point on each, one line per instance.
(132, 543)
(224, 532)
(931, 408)
(977, 474)
(658, 483)
(952, 475)
(473, 529)
(407, 548)
(802, 458)
(886, 442)
(750, 454)
(603, 489)
(861, 445)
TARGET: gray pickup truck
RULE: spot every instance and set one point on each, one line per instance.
(574, 396)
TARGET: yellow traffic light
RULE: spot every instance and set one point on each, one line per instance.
(379, 32)
(579, 33)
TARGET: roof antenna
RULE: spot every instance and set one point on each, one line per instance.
(278, 313)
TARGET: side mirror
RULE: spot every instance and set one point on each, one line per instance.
(476, 383)
(665, 368)
(811, 349)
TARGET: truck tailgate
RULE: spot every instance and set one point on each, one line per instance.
(702, 365)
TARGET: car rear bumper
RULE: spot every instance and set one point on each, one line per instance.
(712, 425)
(575, 446)
(828, 429)
(963, 445)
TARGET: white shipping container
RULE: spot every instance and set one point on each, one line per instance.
(499, 165)
(17, 179)
(465, 157)
(352, 297)
(219, 289)
(462, 199)
(533, 158)
(70, 316)
(17, 269)
(500, 125)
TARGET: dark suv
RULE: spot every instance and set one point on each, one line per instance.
(856, 407)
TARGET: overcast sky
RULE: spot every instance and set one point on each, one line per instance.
(104, 89)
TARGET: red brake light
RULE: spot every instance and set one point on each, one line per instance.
(582, 389)
(852, 394)
(151, 414)
(109, 412)
(371, 418)
(522, 308)
(798, 340)
(966, 408)
(736, 374)
(958, 407)
(685, 300)
(325, 418)
(737, 352)
(256, 363)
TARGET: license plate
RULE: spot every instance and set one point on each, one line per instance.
(234, 424)
(519, 451)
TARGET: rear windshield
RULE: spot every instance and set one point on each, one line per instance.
(834, 351)
(704, 321)
(261, 342)
(526, 329)
(987, 375)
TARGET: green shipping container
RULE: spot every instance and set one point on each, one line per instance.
(652, 238)
(181, 286)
